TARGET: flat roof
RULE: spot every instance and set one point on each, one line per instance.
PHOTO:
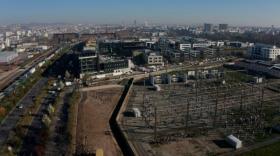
(7, 53)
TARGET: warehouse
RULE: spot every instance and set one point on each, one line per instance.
(7, 57)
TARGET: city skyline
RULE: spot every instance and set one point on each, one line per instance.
(241, 13)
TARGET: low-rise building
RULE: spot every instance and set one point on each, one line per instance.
(260, 67)
(154, 59)
(8, 57)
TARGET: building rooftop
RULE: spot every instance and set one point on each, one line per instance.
(104, 59)
(265, 45)
(7, 53)
(87, 53)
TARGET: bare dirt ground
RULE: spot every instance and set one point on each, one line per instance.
(93, 130)
(100, 87)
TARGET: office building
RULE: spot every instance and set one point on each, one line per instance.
(208, 27)
(88, 63)
(184, 46)
(100, 66)
(265, 52)
(223, 27)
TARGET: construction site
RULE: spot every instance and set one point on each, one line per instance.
(196, 117)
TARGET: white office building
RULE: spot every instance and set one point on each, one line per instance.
(185, 46)
(265, 52)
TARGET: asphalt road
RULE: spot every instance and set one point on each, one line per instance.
(9, 123)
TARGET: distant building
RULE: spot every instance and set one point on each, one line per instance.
(220, 43)
(96, 36)
(264, 52)
(184, 46)
(7, 42)
(208, 27)
(91, 45)
(223, 27)
(146, 24)
(202, 44)
(260, 67)
(65, 37)
(195, 53)
(7, 57)
(237, 44)
(154, 59)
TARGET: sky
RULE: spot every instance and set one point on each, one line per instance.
(234, 12)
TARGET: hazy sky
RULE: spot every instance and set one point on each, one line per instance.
(235, 12)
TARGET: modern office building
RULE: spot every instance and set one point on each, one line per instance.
(98, 66)
(88, 63)
(265, 52)
(184, 46)
(208, 27)
(223, 27)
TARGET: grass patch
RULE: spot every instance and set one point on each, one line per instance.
(236, 76)
(271, 150)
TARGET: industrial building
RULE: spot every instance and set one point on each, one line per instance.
(7, 57)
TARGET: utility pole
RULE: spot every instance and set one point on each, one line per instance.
(155, 125)
(216, 106)
(187, 116)
(241, 100)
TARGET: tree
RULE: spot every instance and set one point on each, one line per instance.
(2, 111)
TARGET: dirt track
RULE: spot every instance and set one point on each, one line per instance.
(93, 130)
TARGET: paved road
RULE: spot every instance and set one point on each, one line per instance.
(13, 117)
